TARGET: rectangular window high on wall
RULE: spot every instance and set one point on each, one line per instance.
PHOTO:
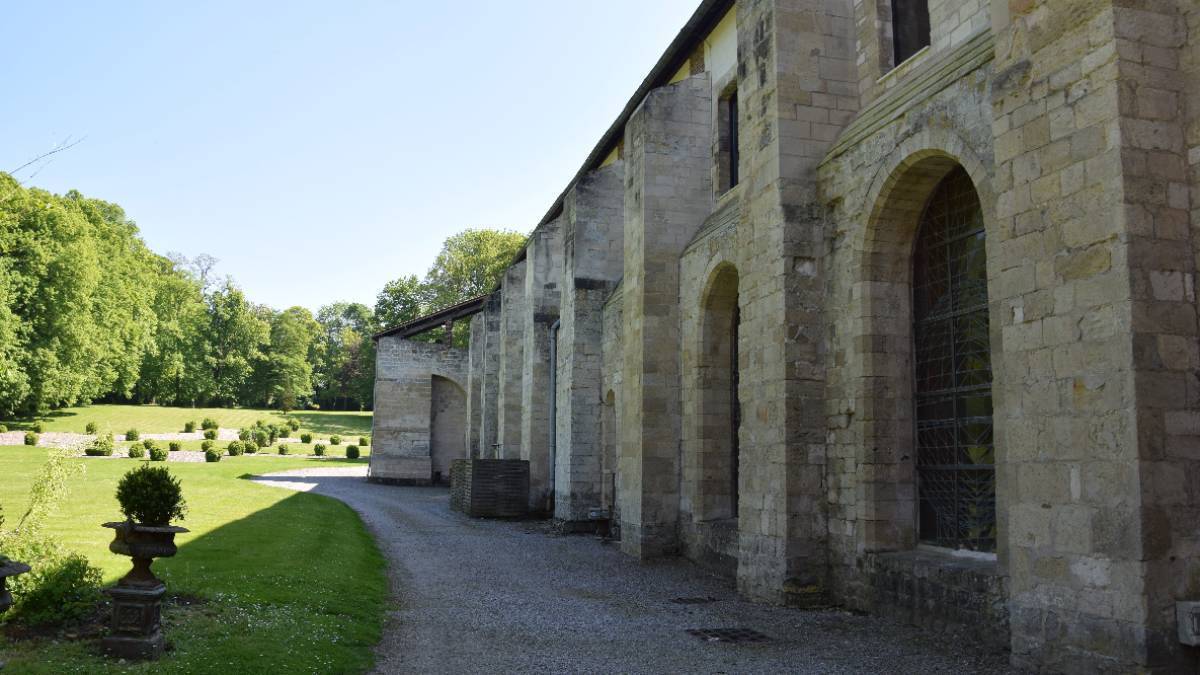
(733, 139)
(910, 28)
(727, 140)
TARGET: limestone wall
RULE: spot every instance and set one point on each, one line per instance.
(511, 350)
(402, 425)
(543, 278)
(593, 227)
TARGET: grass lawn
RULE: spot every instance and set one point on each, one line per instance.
(153, 419)
(290, 582)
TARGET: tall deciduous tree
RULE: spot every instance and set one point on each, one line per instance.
(236, 338)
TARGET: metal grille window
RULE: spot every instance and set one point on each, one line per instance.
(956, 474)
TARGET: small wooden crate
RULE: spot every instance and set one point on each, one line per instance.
(490, 488)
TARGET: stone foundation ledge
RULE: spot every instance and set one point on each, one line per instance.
(939, 591)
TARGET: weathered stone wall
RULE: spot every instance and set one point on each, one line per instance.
(511, 344)
(613, 353)
(448, 415)
(708, 521)
(484, 383)
(668, 194)
(875, 189)
(404, 402)
(543, 278)
(593, 213)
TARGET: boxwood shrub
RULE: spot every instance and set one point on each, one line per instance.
(210, 434)
(283, 448)
(136, 452)
(206, 445)
(3, 428)
(131, 435)
(38, 428)
(235, 448)
(101, 447)
(31, 438)
(293, 424)
(262, 438)
(212, 456)
(209, 423)
(150, 495)
(319, 449)
(351, 452)
(90, 428)
(189, 427)
(335, 440)
(158, 454)
(364, 440)
(245, 434)
(306, 437)
(174, 446)
(148, 444)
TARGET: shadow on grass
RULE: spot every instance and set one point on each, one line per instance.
(305, 567)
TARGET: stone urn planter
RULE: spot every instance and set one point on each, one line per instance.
(136, 631)
(8, 568)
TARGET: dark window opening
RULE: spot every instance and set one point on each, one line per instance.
(733, 139)
(727, 141)
(910, 28)
(956, 473)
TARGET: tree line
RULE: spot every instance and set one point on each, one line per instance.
(89, 313)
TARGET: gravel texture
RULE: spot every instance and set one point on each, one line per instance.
(490, 596)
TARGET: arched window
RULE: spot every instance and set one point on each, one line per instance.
(720, 409)
(956, 477)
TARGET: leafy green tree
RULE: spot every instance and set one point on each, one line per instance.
(345, 356)
(174, 370)
(470, 264)
(293, 332)
(236, 338)
(401, 300)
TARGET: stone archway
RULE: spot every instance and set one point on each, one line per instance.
(447, 418)
(719, 411)
(884, 384)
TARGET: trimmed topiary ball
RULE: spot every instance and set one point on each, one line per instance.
(293, 424)
(150, 495)
(206, 445)
(90, 428)
(131, 435)
(189, 427)
(31, 438)
(335, 440)
(319, 449)
(364, 440)
(158, 454)
(174, 446)
(351, 452)
(3, 428)
(147, 444)
(235, 448)
(101, 447)
(209, 423)
(283, 448)
(306, 437)
(37, 428)
(262, 439)
(212, 456)
(210, 434)
(136, 452)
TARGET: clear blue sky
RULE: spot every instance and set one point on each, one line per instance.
(319, 149)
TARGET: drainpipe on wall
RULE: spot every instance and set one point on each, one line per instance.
(553, 404)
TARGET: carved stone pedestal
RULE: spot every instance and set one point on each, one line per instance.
(8, 568)
(136, 631)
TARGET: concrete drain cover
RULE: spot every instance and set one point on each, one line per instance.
(731, 635)
(692, 601)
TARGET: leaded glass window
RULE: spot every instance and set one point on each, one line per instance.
(956, 474)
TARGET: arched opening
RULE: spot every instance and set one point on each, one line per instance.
(920, 197)
(608, 457)
(720, 408)
(952, 388)
(447, 417)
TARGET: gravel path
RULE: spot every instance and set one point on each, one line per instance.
(487, 596)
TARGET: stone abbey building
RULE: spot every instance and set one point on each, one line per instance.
(885, 303)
